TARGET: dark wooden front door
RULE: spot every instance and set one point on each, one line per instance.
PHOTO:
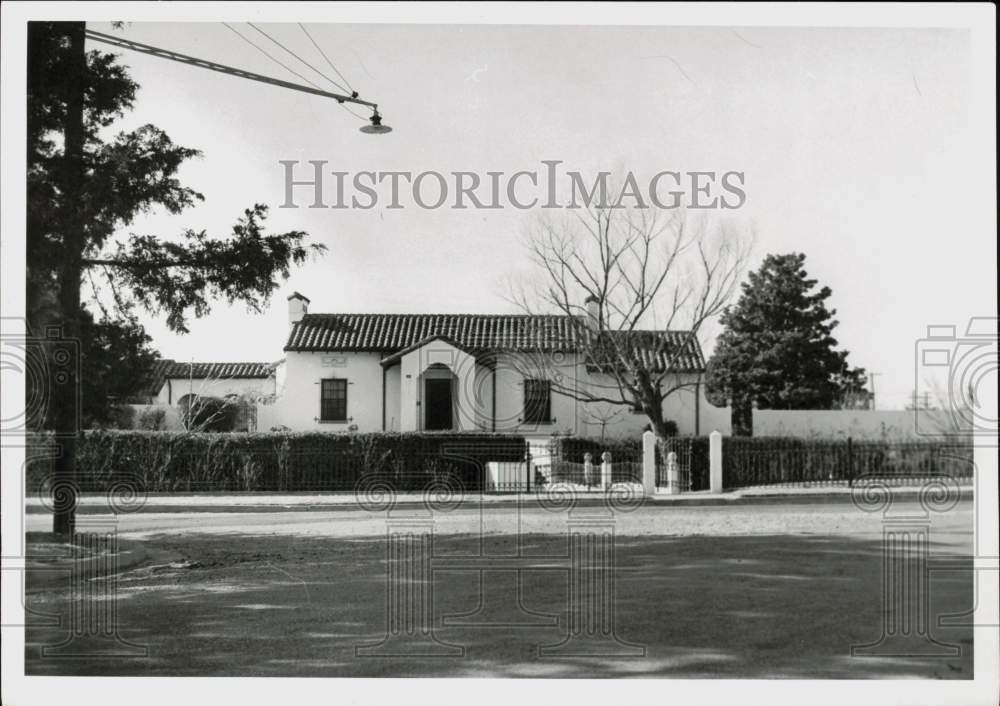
(437, 404)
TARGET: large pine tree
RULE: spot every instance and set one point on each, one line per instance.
(84, 187)
(777, 350)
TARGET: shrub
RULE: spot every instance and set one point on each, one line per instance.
(152, 419)
(162, 461)
(573, 448)
(209, 414)
(122, 416)
(568, 455)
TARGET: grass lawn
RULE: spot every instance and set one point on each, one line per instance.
(762, 606)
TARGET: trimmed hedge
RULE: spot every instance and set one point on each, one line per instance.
(159, 461)
(775, 460)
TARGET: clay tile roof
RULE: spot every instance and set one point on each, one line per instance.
(164, 368)
(180, 369)
(654, 350)
(481, 333)
(155, 377)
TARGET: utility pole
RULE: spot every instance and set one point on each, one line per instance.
(190, 402)
(871, 379)
(64, 397)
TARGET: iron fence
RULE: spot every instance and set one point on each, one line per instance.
(577, 462)
(290, 462)
(573, 473)
(755, 461)
(692, 461)
(626, 471)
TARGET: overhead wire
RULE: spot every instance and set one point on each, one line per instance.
(265, 53)
(325, 57)
(303, 61)
(335, 69)
(349, 88)
(306, 63)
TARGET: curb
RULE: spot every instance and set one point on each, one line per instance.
(43, 571)
(735, 499)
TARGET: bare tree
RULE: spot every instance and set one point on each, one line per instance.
(203, 408)
(636, 287)
(603, 415)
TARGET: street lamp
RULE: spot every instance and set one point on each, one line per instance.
(376, 128)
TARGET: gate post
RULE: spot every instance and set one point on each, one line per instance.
(673, 474)
(527, 463)
(715, 461)
(648, 463)
(606, 470)
(850, 462)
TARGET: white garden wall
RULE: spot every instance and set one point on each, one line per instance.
(860, 424)
(172, 416)
(687, 406)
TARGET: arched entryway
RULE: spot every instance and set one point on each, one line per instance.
(435, 386)
(438, 385)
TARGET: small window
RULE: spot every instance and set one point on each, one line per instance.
(333, 400)
(537, 402)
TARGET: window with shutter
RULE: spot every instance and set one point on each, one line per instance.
(333, 400)
(537, 402)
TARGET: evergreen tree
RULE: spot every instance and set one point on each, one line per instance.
(777, 350)
(83, 187)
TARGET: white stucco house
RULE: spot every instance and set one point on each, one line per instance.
(170, 382)
(461, 372)
(169, 385)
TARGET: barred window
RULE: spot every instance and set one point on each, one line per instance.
(333, 400)
(537, 402)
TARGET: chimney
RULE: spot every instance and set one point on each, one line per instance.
(593, 306)
(298, 306)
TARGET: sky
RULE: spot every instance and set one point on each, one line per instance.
(855, 145)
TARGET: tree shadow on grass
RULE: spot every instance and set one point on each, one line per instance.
(698, 607)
